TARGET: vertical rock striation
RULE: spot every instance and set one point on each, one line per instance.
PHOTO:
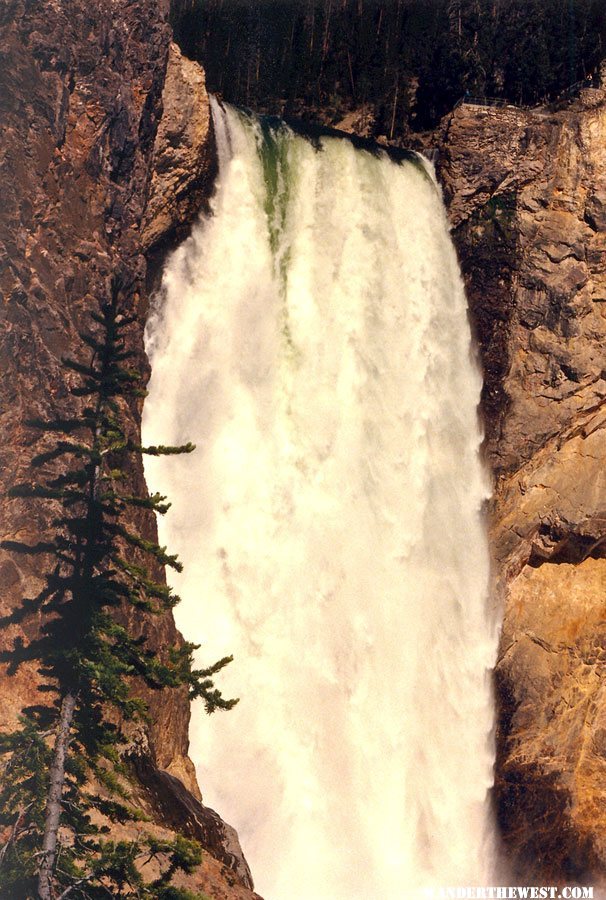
(527, 201)
(81, 100)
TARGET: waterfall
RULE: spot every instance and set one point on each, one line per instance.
(311, 337)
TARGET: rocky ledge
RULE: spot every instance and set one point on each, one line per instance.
(526, 195)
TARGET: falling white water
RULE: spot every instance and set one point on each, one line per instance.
(312, 340)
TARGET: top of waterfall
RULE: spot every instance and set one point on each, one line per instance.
(315, 133)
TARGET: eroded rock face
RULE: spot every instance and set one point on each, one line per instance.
(183, 161)
(552, 771)
(80, 102)
(81, 93)
(526, 196)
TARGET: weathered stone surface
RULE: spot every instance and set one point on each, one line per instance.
(524, 194)
(80, 105)
(183, 161)
(526, 198)
(185, 813)
(551, 783)
(81, 91)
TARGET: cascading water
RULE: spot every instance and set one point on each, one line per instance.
(312, 340)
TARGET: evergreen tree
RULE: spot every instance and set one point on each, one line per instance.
(64, 780)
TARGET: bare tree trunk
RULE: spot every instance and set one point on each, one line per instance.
(395, 106)
(325, 42)
(55, 793)
(351, 77)
(313, 27)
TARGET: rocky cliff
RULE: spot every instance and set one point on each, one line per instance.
(95, 120)
(527, 199)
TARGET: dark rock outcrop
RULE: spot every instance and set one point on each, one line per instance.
(81, 103)
(184, 813)
(526, 199)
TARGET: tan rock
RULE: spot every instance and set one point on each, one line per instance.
(551, 782)
(183, 153)
(529, 211)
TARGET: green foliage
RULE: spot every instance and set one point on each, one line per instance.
(173, 893)
(98, 569)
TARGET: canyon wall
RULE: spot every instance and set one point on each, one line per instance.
(95, 120)
(526, 191)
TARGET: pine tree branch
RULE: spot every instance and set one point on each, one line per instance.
(62, 448)
(161, 450)
(21, 547)
(14, 831)
(77, 884)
